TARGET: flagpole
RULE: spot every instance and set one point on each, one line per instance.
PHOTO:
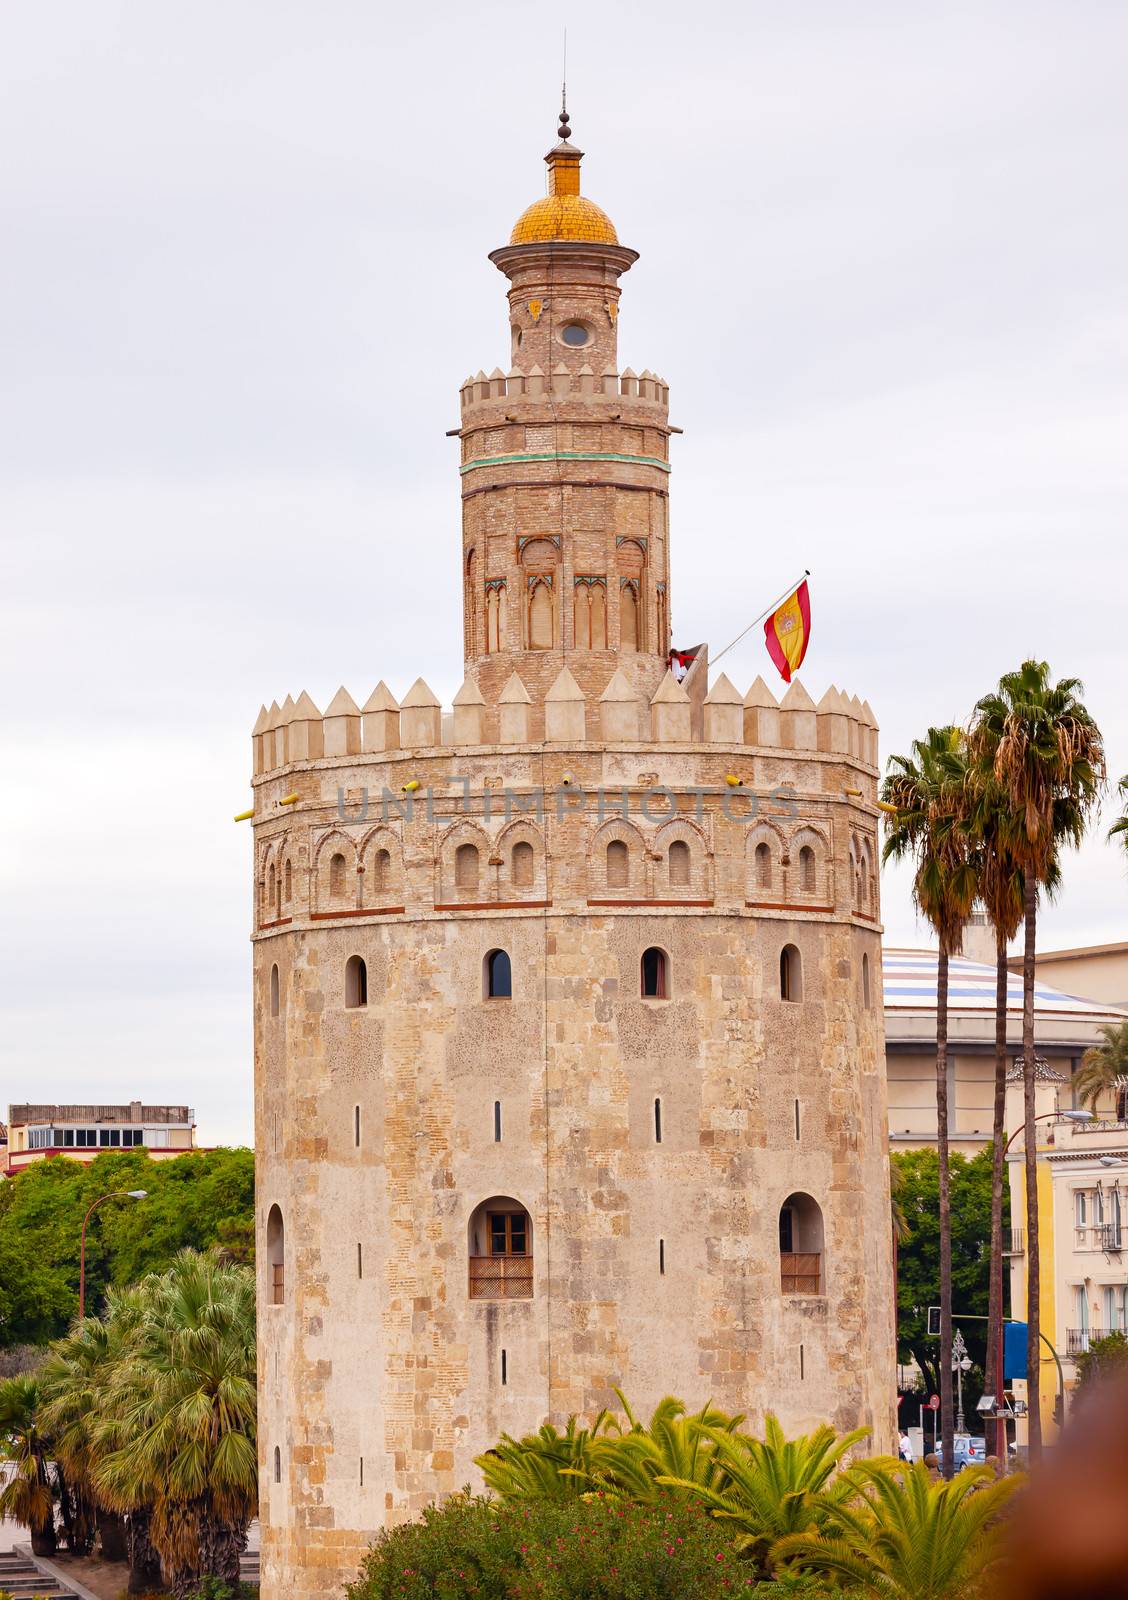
(791, 588)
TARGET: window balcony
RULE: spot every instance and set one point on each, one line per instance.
(800, 1274)
(1078, 1340)
(501, 1277)
(1014, 1242)
(1110, 1238)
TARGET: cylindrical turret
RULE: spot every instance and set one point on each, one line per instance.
(565, 465)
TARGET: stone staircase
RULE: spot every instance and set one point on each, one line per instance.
(23, 1580)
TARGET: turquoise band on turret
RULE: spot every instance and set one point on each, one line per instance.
(566, 455)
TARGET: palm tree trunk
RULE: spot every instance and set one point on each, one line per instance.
(1033, 1275)
(947, 1429)
(995, 1380)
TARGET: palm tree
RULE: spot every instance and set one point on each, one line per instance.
(546, 1465)
(177, 1428)
(913, 1539)
(1104, 1068)
(1119, 829)
(775, 1486)
(1001, 894)
(641, 1461)
(1046, 754)
(925, 796)
(29, 1495)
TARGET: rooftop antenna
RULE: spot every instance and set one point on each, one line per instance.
(564, 131)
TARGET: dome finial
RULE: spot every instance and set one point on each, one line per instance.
(564, 131)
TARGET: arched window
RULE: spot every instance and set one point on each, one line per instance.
(500, 1247)
(277, 1465)
(495, 617)
(274, 990)
(541, 631)
(522, 863)
(790, 973)
(498, 975)
(337, 875)
(807, 869)
(679, 864)
(271, 889)
(356, 983)
(289, 893)
(866, 981)
(275, 1258)
(763, 866)
(801, 1246)
(466, 866)
(618, 865)
(381, 871)
(629, 630)
(654, 976)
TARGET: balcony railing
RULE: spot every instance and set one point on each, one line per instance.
(1110, 1238)
(1078, 1340)
(1014, 1242)
(501, 1277)
(800, 1274)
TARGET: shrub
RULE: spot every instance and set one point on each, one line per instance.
(479, 1549)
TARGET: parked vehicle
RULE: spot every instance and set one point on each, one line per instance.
(968, 1450)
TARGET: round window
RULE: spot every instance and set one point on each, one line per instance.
(574, 333)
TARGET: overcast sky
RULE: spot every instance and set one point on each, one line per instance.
(883, 258)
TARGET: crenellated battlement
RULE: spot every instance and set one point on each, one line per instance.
(296, 731)
(564, 383)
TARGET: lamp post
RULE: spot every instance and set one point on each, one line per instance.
(114, 1194)
(961, 1363)
(1001, 1444)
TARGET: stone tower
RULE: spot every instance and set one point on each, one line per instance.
(568, 1030)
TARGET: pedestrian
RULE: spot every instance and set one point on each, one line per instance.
(906, 1448)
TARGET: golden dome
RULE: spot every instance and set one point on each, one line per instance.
(563, 216)
(564, 213)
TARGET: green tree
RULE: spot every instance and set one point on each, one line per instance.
(918, 1278)
(195, 1201)
(905, 1536)
(926, 798)
(1046, 754)
(1104, 1067)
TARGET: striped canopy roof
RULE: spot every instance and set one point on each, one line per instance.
(909, 980)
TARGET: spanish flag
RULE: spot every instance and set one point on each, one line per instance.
(788, 630)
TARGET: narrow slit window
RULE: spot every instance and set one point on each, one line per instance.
(661, 1258)
(802, 1364)
(796, 1122)
(866, 981)
(657, 1122)
(362, 1472)
(356, 1126)
(277, 1465)
(497, 1121)
(274, 990)
(654, 978)
(505, 1366)
(359, 1259)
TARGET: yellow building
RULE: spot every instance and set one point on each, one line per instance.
(1098, 970)
(1082, 1199)
(81, 1132)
